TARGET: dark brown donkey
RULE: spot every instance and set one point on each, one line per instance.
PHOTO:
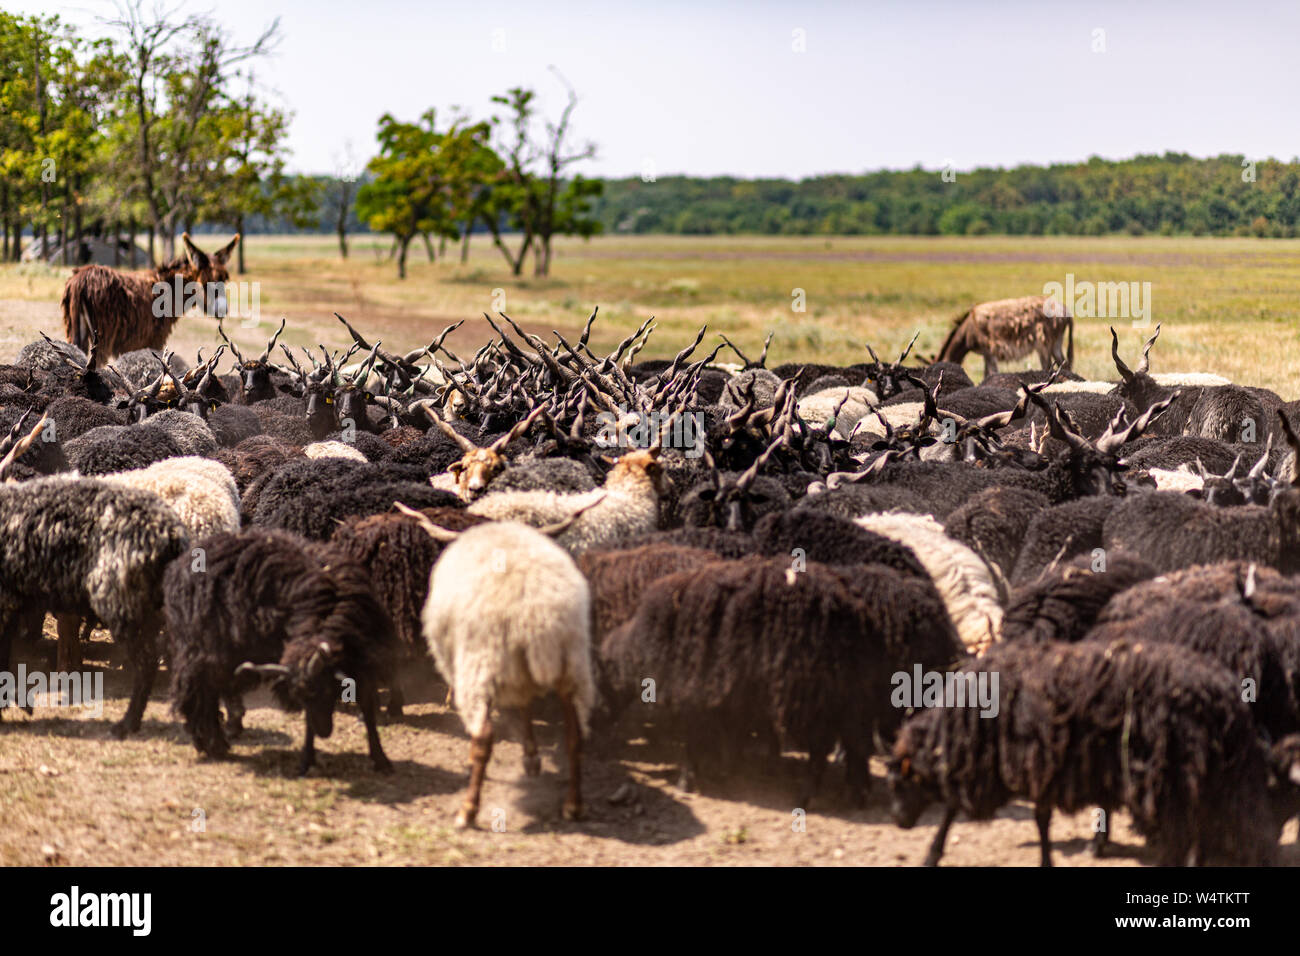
(127, 309)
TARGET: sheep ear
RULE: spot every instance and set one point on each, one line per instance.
(1294, 775)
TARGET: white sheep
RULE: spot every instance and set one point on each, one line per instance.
(1189, 379)
(1180, 479)
(1076, 388)
(962, 578)
(627, 505)
(333, 449)
(508, 619)
(819, 406)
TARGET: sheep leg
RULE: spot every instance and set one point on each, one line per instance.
(1098, 844)
(8, 624)
(480, 752)
(816, 768)
(857, 774)
(143, 653)
(573, 744)
(396, 699)
(1043, 817)
(940, 837)
(69, 653)
(369, 700)
(307, 759)
(990, 366)
(532, 762)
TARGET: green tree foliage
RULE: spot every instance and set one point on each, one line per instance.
(425, 181)
(1169, 194)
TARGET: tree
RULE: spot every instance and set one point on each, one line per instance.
(425, 182)
(179, 69)
(564, 206)
(251, 180)
(540, 205)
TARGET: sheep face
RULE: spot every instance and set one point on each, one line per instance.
(638, 467)
(351, 401)
(309, 680)
(255, 382)
(475, 471)
(908, 796)
(322, 416)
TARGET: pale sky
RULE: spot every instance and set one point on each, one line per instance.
(708, 88)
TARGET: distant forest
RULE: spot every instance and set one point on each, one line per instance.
(1173, 194)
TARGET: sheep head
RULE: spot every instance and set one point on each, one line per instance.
(1095, 467)
(478, 466)
(1137, 385)
(254, 375)
(908, 793)
(638, 468)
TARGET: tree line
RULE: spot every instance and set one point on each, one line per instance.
(161, 127)
(1171, 194)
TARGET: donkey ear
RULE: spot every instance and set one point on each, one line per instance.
(198, 258)
(222, 254)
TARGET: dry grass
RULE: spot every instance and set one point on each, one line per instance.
(1227, 305)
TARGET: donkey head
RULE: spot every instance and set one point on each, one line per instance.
(209, 273)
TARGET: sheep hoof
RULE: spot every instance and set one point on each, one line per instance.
(465, 819)
(383, 765)
(571, 811)
(119, 730)
(532, 765)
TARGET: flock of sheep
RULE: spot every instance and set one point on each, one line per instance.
(533, 518)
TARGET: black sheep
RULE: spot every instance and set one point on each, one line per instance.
(993, 524)
(1063, 603)
(752, 646)
(1148, 727)
(267, 604)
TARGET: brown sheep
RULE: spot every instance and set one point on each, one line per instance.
(120, 305)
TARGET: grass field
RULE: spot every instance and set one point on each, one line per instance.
(1230, 306)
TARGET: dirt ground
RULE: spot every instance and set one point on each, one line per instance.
(70, 794)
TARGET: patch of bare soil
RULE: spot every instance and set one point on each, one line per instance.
(70, 794)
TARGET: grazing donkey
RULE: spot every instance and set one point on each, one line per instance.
(121, 305)
(1010, 329)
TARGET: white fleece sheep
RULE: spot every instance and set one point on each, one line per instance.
(1075, 388)
(201, 492)
(960, 575)
(1180, 479)
(333, 449)
(627, 505)
(508, 619)
(819, 406)
(1189, 379)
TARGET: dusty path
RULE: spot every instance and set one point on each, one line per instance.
(70, 794)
